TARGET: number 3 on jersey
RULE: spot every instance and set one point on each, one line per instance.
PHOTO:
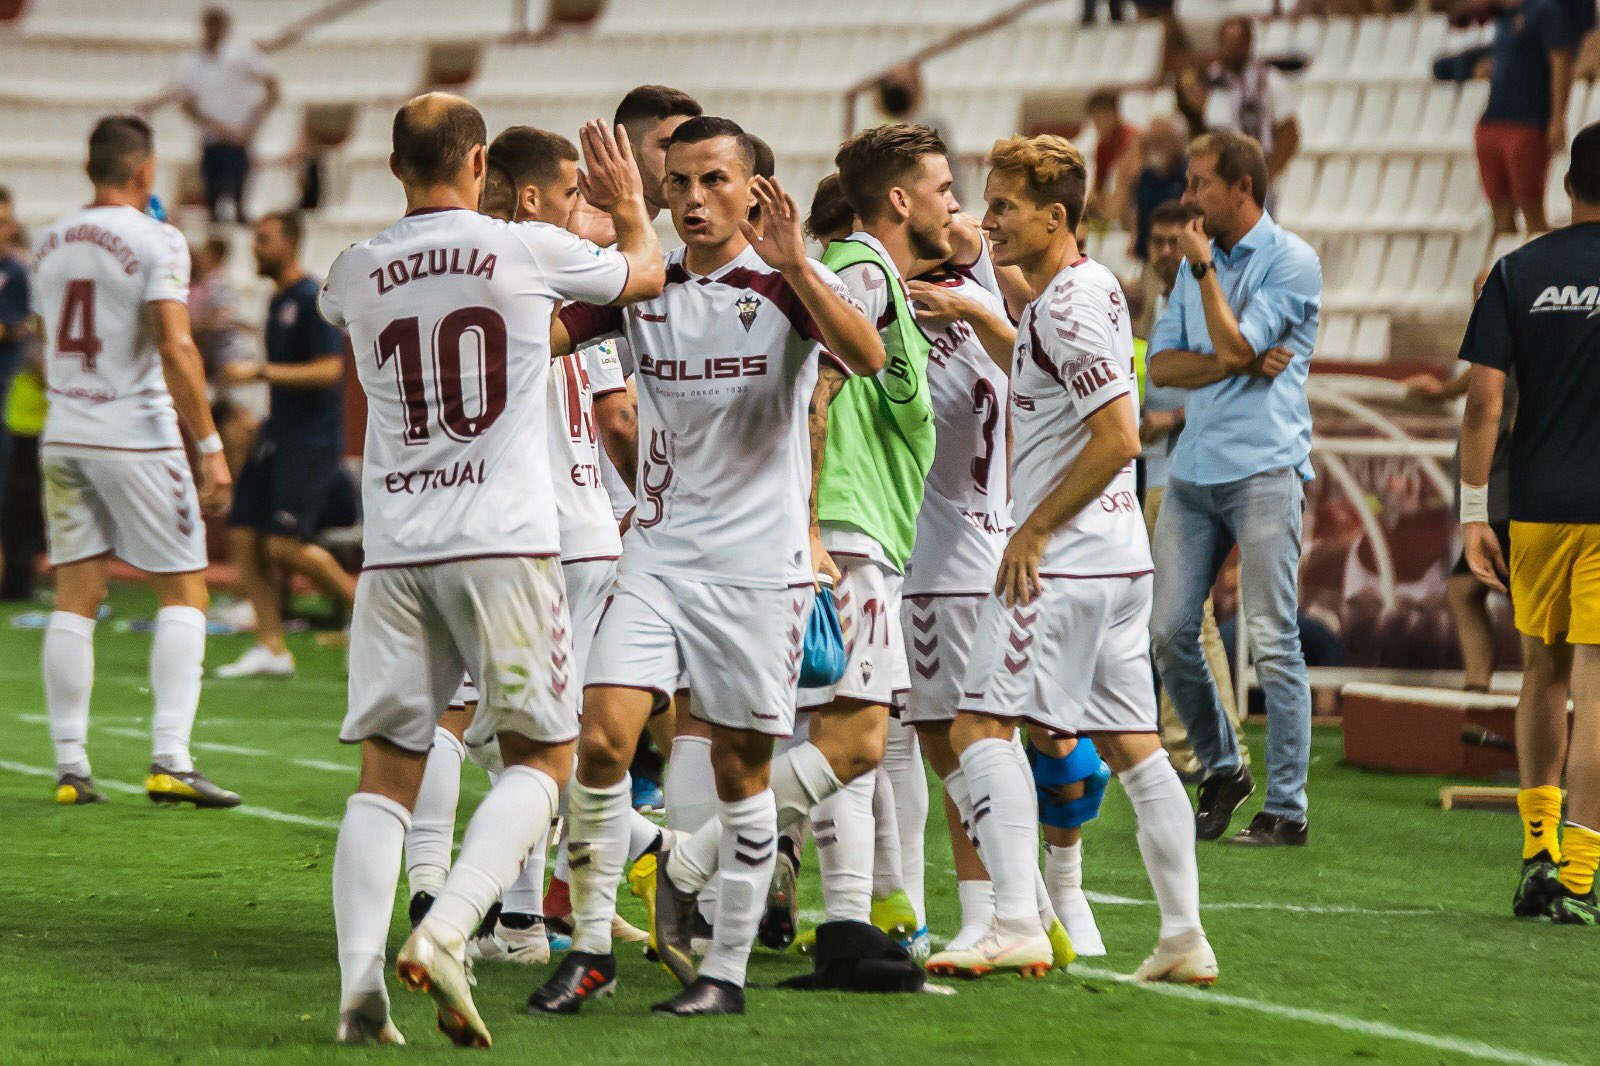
(401, 340)
(75, 333)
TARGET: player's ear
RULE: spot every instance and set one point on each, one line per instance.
(528, 202)
(900, 200)
(394, 168)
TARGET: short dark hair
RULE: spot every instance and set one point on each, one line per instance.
(1104, 100)
(432, 142)
(830, 211)
(766, 165)
(288, 221)
(530, 156)
(1173, 213)
(5, 194)
(654, 103)
(118, 145)
(1583, 167)
(1050, 166)
(710, 127)
(1238, 156)
(499, 198)
(874, 160)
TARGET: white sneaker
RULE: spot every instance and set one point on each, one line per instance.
(239, 615)
(1082, 930)
(530, 946)
(434, 961)
(259, 661)
(1185, 959)
(1030, 954)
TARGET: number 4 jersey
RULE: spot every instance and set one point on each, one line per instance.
(95, 271)
(449, 318)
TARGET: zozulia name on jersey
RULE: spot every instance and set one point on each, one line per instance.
(433, 263)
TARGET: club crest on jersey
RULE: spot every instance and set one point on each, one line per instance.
(748, 305)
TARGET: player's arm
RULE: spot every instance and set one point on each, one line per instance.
(829, 381)
(1153, 425)
(939, 306)
(168, 322)
(610, 182)
(1488, 345)
(1113, 444)
(322, 372)
(781, 244)
(617, 421)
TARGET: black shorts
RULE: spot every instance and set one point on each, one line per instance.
(288, 491)
(1502, 533)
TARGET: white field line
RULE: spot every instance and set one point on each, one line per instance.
(211, 746)
(1107, 900)
(1475, 1049)
(247, 809)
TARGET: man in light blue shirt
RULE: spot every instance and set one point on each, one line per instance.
(1237, 333)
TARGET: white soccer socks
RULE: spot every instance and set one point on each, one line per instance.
(887, 873)
(977, 913)
(690, 785)
(1166, 841)
(68, 679)
(433, 821)
(177, 662)
(366, 868)
(801, 779)
(903, 761)
(1007, 830)
(747, 853)
(514, 814)
(1063, 876)
(843, 828)
(597, 851)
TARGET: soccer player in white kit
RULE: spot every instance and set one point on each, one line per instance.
(715, 579)
(449, 313)
(122, 371)
(1064, 639)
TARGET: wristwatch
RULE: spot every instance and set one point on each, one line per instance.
(1199, 269)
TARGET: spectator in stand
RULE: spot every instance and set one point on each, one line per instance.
(901, 98)
(1156, 172)
(1114, 139)
(1238, 334)
(228, 89)
(1248, 96)
(293, 476)
(1118, 9)
(16, 314)
(1525, 120)
(1161, 420)
(219, 333)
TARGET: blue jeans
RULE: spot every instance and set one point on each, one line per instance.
(1195, 530)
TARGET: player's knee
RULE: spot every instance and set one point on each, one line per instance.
(284, 551)
(1070, 787)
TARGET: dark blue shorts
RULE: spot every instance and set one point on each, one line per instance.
(290, 491)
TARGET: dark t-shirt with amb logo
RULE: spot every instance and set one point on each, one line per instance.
(1539, 319)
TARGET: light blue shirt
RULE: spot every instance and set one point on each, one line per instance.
(1243, 425)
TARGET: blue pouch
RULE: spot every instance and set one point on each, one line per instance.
(823, 660)
(1053, 776)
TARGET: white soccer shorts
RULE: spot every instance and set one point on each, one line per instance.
(588, 584)
(738, 647)
(1075, 660)
(416, 629)
(938, 638)
(868, 598)
(141, 507)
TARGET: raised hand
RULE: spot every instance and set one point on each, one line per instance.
(610, 175)
(780, 242)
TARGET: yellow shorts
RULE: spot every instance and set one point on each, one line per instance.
(1555, 581)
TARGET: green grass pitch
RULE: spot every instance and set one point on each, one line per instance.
(132, 934)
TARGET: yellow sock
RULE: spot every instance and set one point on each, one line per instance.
(1540, 808)
(1582, 853)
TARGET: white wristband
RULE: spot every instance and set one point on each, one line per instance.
(1474, 503)
(209, 446)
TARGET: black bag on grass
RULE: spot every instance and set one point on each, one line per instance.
(857, 957)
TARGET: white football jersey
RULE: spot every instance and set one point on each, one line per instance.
(1074, 355)
(617, 486)
(449, 317)
(94, 271)
(588, 528)
(726, 367)
(961, 529)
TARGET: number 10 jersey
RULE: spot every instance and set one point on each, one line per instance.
(449, 318)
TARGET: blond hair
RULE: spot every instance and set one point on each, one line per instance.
(1052, 168)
